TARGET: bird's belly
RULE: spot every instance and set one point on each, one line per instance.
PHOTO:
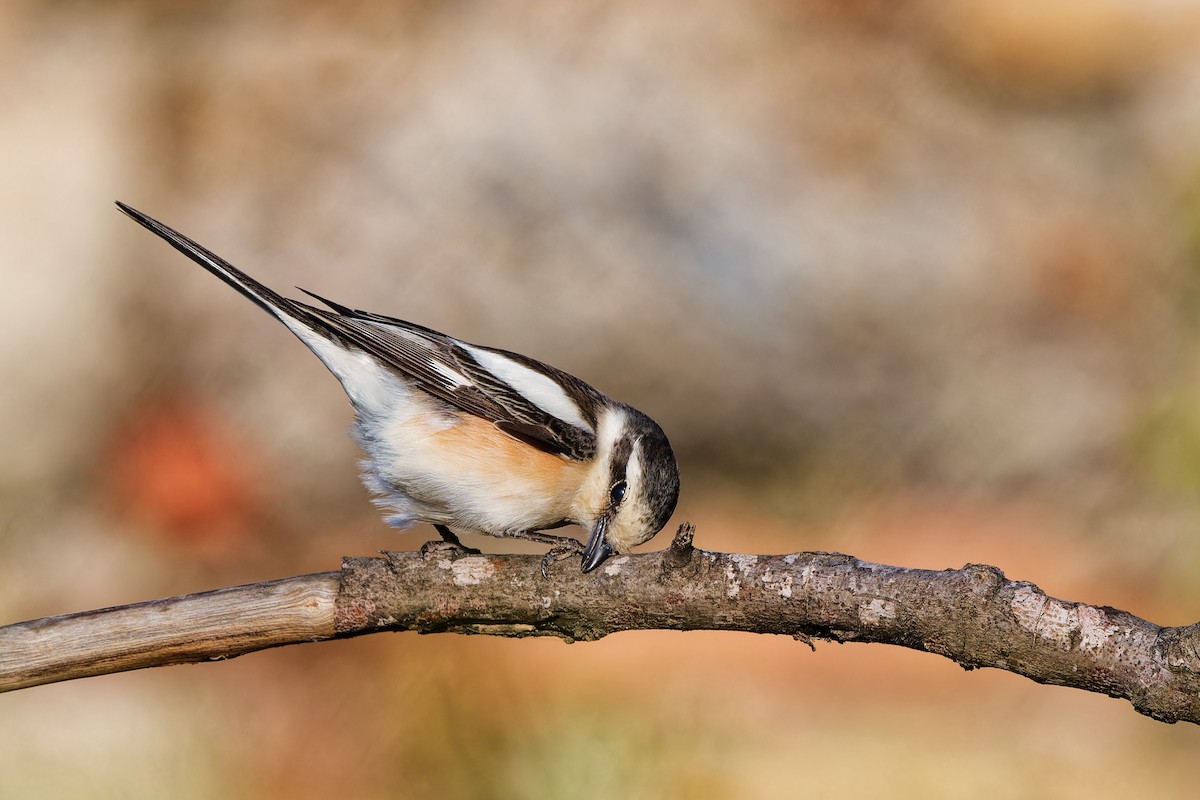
(469, 475)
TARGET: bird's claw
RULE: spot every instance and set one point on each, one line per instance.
(568, 548)
(457, 549)
(451, 539)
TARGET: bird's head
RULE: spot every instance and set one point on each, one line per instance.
(632, 487)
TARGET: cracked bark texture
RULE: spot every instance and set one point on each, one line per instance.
(972, 615)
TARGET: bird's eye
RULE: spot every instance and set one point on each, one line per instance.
(617, 493)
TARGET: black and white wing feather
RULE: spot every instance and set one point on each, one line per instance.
(530, 401)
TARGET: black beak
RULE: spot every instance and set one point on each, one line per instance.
(597, 550)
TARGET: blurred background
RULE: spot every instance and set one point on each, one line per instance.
(918, 281)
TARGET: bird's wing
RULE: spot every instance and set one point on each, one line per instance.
(528, 400)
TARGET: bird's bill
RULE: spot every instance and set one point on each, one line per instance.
(597, 549)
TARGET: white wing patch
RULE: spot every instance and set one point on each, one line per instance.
(453, 376)
(543, 392)
(456, 378)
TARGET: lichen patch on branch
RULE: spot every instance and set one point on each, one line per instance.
(1044, 616)
(614, 565)
(468, 571)
(875, 610)
(1094, 628)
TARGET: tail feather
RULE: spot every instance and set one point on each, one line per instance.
(268, 299)
(340, 347)
(345, 311)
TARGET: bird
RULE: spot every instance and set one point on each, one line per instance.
(473, 438)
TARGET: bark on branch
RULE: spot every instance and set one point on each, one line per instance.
(972, 615)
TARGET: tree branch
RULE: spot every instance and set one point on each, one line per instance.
(973, 615)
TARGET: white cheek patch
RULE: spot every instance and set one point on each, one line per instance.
(636, 517)
(592, 498)
(543, 392)
(608, 430)
(629, 528)
(633, 468)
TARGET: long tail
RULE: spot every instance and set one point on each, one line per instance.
(287, 310)
(336, 340)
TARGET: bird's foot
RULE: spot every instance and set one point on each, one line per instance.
(437, 547)
(449, 537)
(564, 549)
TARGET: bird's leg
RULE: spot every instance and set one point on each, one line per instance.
(570, 548)
(451, 538)
(560, 546)
(545, 538)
